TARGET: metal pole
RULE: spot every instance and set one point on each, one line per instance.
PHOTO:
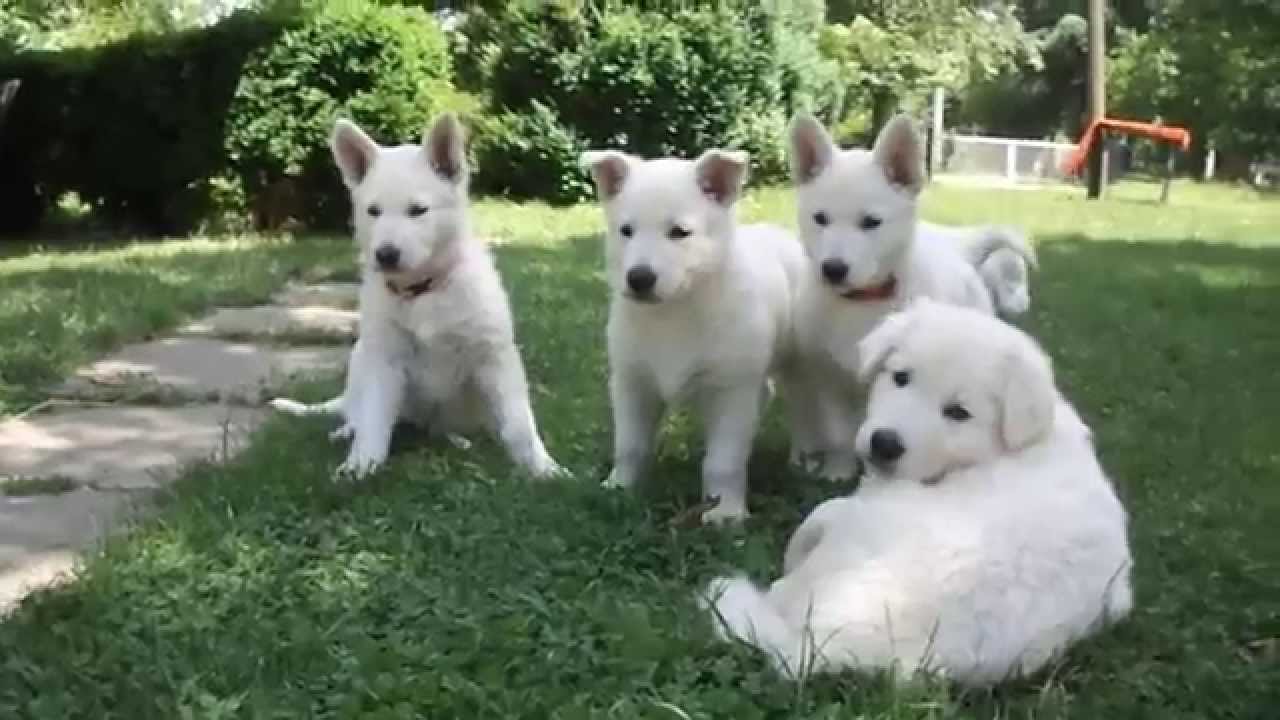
(1097, 93)
(935, 146)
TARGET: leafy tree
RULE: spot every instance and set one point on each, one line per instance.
(897, 51)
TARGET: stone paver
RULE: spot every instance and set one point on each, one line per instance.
(276, 321)
(122, 447)
(337, 295)
(41, 536)
(115, 454)
(200, 369)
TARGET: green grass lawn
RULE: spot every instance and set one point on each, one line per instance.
(446, 588)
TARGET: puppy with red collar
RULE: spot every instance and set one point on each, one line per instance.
(869, 255)
(437, 345)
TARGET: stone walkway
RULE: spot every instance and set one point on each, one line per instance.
(127, 424)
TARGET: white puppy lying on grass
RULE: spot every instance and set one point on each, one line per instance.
(869, 255)
(986, 538)
(700, 311)
(436, 339)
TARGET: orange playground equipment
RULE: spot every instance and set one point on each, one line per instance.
(1075, 162)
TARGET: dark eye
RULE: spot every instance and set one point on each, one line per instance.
(677, 233)
(869, 222)
(955, 411)
(416, 210)
(821, 218)
(901, 378)
(627, 230)
(374, 211)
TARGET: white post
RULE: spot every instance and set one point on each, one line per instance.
(1210, 163)
(935, 150)
(1011, 162)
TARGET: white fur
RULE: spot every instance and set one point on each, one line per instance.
(716, 323)
(985, 551)
(446, 358)
(1003, 270)
(840, 195)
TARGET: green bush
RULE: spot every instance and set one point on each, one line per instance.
(134, 127)
(386, 67)
(674, 79)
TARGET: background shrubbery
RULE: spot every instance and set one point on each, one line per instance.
(653, 81)
(163, 115)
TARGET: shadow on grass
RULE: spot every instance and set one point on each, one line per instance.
(451, 588)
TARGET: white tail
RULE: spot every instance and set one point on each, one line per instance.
(293, 407)
(743, 612)
(985, 240)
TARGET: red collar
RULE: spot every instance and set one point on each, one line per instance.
(410, 292)
(883, 291)
(437, 275)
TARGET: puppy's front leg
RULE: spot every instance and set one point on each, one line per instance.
(376, 387)
(732, 416)
(506, 392)
(637, 408)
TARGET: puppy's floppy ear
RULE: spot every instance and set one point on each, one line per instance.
(721, 174)
(353, 151)
(609, 168)
(900, 153)
(445, 146)
(811, 148)
(1027, 407)
(884, 338)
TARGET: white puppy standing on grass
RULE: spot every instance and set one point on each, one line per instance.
(869, 255)
(436, 342)
(700, 311)
(987, 538)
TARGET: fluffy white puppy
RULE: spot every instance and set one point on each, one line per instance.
(436, 339)
(1003, 271)
(986, 539)
(869, 255)
(700, 311)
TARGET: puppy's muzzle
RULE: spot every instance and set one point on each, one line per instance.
(886, 447)
(641, 281)
(387, 257)
(835, 271)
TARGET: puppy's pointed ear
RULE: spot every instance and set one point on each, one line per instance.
(609, 168)
(1027, 408)
(879, 344)
(353, 152)
(900, 153)
(721, 175)
(811, 148)
(445, 144)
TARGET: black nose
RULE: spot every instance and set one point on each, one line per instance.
(387, 256)
(835, 271)
(886, 446)
(641, 279)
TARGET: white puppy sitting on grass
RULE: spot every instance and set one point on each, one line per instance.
(869, 255)
(700, 311)
(986, 539)
(436, 343)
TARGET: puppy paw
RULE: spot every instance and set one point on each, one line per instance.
(726, 513)
(285, 405)
(356, 467)
(549, 469)
(618, 480)
(345, 432)
(457, 441)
